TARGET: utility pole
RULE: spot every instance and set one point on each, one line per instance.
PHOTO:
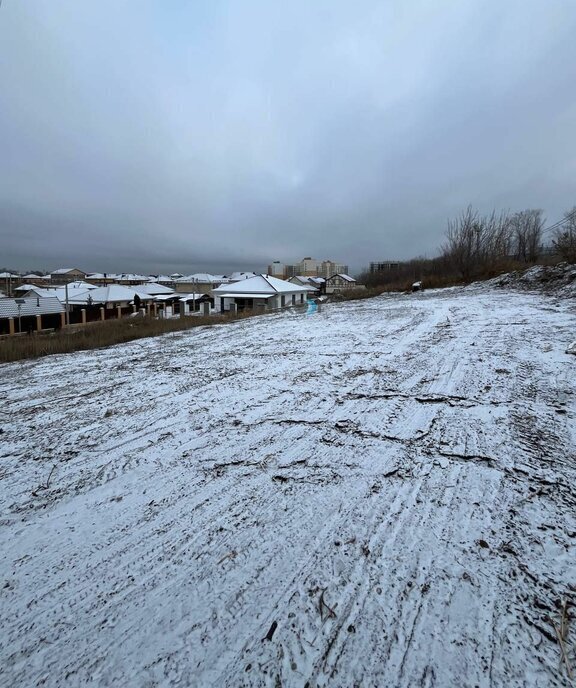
(67, 311)
(19, 303)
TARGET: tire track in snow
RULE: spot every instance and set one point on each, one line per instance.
(219, 549)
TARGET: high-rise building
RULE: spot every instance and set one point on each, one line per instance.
(385, 266)
(277, 269)
(307, 267)
(330, 268)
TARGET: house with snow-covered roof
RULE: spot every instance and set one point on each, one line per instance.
(201, 282)
(30, 314)
(342, 283)
(260, 291)
(190, 303)
(63, 275)
(112, 296)
(314, 283)
(78, 285)
(131, 279)
(9, 280)
(238, 276)
(111, 301)
(166, 280)
(101, 279)
(154, 289)
(61, 292)
(24, 288)
(31, 290)
(33, 277)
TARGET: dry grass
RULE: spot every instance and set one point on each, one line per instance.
(357, 294)
(401, 285)
(436, 273)
(380, 283)
(562, 631)
(101, 334)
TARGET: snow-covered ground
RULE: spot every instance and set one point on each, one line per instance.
(381, 494)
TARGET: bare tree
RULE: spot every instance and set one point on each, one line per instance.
(462, 241)
(497, 237)
(476, 243)
(565, 237)
(527, 232)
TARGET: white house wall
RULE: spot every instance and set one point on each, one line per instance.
(272, 303)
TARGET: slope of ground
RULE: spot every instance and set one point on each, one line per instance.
(559, 279)
(381, 494)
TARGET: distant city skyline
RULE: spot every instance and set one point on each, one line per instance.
(186, 270)
(162, 137)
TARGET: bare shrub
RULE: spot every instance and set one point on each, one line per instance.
(527, 228)
(565, 237)
(476, 243)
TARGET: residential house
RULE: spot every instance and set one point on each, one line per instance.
(176, 303)
(30, 314)
(31, 290)
(24, 289)
(238, 276)
(38, 280)
(190, 303)
(130, 279)
(61, 292)
(341, 283)
(316, 284)
(166, 280)
(101, 279)
(64, 275)
(116, 300)
(200, 282)
(9, 281)
(154, 289)
(260, 291)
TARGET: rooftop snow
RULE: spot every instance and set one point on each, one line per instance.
(243, 295)
(198, 278)
(260, 284)
(112, 293)
(64, 271)
(30, 306)
(344, 277)
(154, 288)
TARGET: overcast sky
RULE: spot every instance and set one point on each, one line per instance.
(216, 134)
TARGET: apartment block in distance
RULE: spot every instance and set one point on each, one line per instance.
(307, 267)
(385, 266)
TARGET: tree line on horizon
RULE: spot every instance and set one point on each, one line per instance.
(478, 246)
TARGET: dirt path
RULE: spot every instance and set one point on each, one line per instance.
(378, 495)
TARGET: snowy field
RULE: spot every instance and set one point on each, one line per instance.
(382, 494)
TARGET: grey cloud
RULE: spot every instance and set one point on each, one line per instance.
(153, 136)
